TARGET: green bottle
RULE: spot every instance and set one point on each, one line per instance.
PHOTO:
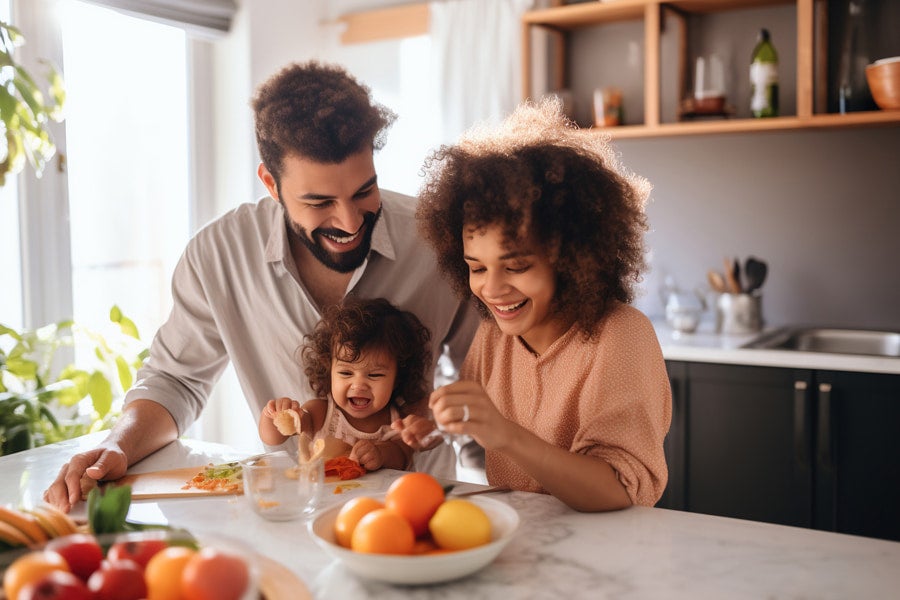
(764, 77)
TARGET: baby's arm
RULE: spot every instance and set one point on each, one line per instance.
(414, 432)
(268, 432)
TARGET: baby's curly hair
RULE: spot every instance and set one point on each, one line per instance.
(359, 325)
(316, 111)
(548, 184)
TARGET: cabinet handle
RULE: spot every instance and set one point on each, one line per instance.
(823, 432)
(801, 431)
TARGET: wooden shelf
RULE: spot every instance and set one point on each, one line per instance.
(560, 20)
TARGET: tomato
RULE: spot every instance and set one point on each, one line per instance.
(163, 572)
(213, 574)
(350, 514)
(415, 496)
(140, 551)
(31, 567)
(383, 531)
(118, 580)
(82, 553)
(56, 585)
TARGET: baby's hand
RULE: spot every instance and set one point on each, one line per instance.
(273, 407)
(367, 454)
(414, 429)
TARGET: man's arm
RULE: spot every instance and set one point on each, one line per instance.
(143, 428)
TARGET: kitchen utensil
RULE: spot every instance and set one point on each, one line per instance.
(716, 281)
(166, 484)
(500, 489)
(732, 276)
(738, 313)
(755, 274)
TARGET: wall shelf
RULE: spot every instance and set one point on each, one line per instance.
(560, 21)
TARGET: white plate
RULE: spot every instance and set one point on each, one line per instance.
(413, 570)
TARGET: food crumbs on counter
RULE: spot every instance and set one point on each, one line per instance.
(340, 489)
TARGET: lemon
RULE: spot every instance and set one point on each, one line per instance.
(459, 524)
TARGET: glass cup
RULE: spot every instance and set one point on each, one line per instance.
(281, 489)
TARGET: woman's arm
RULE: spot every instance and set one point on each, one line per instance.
(583, 482)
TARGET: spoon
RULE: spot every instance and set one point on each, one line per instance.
(755, 272)
(716, 281)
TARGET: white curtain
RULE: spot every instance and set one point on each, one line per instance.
(477, 65)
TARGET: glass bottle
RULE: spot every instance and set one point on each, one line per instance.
(764, 77)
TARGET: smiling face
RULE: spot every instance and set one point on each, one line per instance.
(330, 208)
(516, 283)
(363, 387)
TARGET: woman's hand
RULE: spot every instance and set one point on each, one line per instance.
(463, 407)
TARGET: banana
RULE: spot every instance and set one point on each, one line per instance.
(63, 523)
(13, 536)
(25, 523)
(45, 522)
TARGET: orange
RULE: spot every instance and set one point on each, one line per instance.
(350, 514)
(163, 572)
(212, 574)
(415, 496)
(383, 531)
(31, 567)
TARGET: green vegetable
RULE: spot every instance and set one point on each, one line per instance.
(107, 509)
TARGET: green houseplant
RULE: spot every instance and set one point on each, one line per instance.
(41, 403)
(24, 112)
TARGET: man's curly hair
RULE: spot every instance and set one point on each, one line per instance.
(363, 325)
(550, 186)
(316, 111)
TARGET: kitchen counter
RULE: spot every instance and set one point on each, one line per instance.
(705, 345)
(556, 552)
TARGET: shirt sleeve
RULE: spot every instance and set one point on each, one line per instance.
(187, 355)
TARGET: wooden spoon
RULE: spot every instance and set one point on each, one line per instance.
(716, 281)
(731, 276)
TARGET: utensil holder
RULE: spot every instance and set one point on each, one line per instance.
(739, 313)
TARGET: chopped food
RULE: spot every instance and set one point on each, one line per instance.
(225, 477)
(343, 467)
(343, 487)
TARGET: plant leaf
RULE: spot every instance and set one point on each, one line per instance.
(101, 393)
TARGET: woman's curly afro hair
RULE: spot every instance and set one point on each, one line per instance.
(548, 185)
(356, 326)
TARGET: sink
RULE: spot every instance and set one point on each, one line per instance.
(835, 341)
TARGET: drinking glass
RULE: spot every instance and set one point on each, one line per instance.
(279, 488)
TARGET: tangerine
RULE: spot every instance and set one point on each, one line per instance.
(383, 531)
(350, 514)
(416, 497)
(163, 572)
(31, 567)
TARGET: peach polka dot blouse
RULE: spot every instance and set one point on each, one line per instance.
(608, 398)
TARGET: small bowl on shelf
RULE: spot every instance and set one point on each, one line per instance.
(884, 82)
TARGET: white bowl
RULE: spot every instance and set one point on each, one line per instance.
(414, 570)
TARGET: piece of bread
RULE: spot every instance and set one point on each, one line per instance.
(287, 422)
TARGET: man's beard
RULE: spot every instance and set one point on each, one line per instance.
(342, 262)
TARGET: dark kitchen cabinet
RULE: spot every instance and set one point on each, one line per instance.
(791, 446)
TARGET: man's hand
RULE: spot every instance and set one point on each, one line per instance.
(103, 463)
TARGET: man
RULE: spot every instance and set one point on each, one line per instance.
(252, 283)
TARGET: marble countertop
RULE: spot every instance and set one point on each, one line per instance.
(705, 345)
(556, 552)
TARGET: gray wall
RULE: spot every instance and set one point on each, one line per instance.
(821, 207)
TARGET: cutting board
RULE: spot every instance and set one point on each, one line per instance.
(166, 484)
